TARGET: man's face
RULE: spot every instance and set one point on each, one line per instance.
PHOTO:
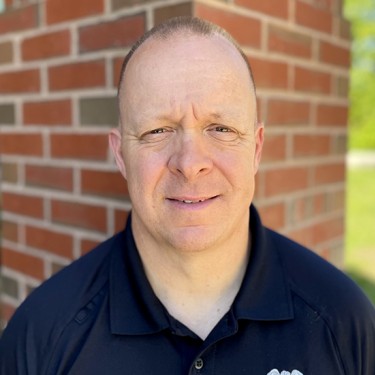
(189, 149)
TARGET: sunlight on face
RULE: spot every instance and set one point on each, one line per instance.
(188, 148)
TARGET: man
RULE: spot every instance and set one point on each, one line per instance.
(195, 283)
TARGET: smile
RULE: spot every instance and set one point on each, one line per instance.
(192, 201)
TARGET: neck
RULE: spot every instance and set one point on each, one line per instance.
(197, 288)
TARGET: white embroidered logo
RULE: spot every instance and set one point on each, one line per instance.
(275, 372)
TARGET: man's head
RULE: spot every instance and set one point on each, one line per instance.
(184, 25)
(189, 145)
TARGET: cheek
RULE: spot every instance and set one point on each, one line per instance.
(143, 171)
(238, 167)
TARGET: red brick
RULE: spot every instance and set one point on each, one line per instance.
(332, 115)
(289, 42)
(7, 311)
(274, 148)
(80, 146)
(114, 34)
(23, 205)
(269, 74)
(8, 3)
(333, 54)
(46, 45)
(301, 209)
(273, 215)
(313, 17)
(287, 112)
(24, 263)
(21, 144)
(51, 241)
(277, 8)
(19, 19)
(116, 66)
(327, 230)
(49, 177)
(329, 173)
(6, 52)
(284, 181)
(65, 10)
(340, 144)
(312, 81)
(56, 112)
(311, 145)
(120, 220)
(167, 11)
(105, 183)
(246, 30)
(9, 171)
(302, 236)
(88, 245)
(57, 266)
(330, 5)
(325, 254)
(79, 215)
(20, 82)
(9, 230)
(319, 204)
(345, 29)
(342, 86)
(259, 184)
(260, 114)
(78, 75)
(335, 201)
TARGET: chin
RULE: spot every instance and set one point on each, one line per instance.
(193, 240)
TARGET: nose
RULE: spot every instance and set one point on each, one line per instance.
(190, 157)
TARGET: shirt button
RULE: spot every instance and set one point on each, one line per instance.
(198, 364)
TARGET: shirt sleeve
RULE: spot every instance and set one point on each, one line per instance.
(355, 336)
(19, 347)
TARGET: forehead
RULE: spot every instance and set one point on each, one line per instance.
(182, 49)
(180, 67)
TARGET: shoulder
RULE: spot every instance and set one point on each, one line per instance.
(317, 285)
(74, 284)
(39, 321)
(313, 278)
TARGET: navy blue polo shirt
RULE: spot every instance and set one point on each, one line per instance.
(294, 312)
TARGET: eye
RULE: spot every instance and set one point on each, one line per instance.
(222, 129)
(223, 133)
(157, 131)
(156, 135)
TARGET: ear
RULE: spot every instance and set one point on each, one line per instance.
(115, 142)
(259, 139)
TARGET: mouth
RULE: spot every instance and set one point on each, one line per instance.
(191, 200)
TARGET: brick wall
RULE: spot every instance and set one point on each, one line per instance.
(59, 65)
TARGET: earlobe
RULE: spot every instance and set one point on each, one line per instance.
(259, 139)
(115, 143)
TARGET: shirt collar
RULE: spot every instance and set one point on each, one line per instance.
(135, 309)
(264, 293)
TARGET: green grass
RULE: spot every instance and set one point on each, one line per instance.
(360, 228)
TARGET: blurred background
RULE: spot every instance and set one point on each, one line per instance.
(360, 199)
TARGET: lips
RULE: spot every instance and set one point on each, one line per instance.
(191, 200)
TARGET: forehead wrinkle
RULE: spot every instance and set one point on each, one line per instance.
(139, 62)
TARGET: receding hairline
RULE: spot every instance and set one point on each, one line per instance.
(191, 26)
